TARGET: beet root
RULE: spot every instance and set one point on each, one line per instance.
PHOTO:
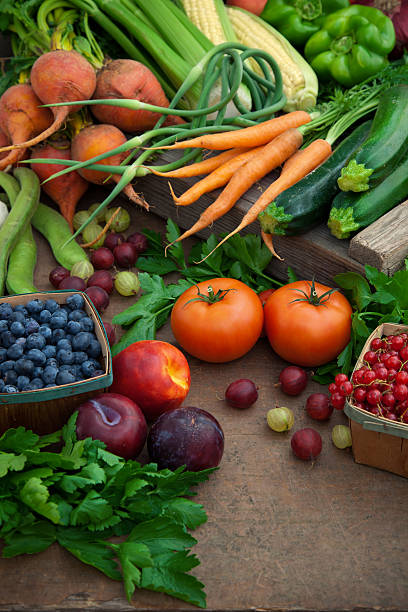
(21, 117)
(129, 79)
(66, 190)
(59, 76)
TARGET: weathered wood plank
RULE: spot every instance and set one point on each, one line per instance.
(313, 254)
(384, 243)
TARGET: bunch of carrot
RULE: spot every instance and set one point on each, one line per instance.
(249, 155)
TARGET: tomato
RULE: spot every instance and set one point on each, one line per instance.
(306, 333)
(220, 331)
(263, 296)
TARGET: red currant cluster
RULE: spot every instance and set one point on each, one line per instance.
(380, 385)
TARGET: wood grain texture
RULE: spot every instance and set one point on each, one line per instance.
(282, 534)
(384, 243)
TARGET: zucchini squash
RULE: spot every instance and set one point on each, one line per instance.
(386, 144)
(306, 203)
(352, 211)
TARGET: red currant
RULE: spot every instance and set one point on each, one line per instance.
(388, 400)
(332, 388)
(393, 363)
(358, 377)
(397, 343)
(384, 356)
(340, 378)
(401, 378)
(373, 397)
(346, 388)
(404, 353)
(359, 405)
(375, 344)
(401, 392)
(359, 394)
(338, 401)
(391, 374)
(374, 410)
(382, 373)
(404, 417)
(369, 377)
(370, 357)
(392, 416)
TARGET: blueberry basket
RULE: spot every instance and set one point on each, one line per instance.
(46, 410)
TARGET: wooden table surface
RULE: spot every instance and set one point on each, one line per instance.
(282, 534)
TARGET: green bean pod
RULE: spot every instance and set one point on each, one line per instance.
(21, 265)
(22, 209)
(57, 232)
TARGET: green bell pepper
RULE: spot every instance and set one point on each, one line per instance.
(297, 20)
(352, 45)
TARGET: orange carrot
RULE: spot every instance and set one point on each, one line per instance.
(268, 158)
(293, 159)
(268, 241)
(203, 167)
(314, 155)
(246, 137)
(218, 178)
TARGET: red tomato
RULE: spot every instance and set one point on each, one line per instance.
(263, 296)
(219, 331)
(253, 6)
(305, 333)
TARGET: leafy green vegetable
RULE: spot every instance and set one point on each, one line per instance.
(84, 496)
(376, 299)
(242, 257)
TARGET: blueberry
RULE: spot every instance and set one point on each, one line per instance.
(57, 334)
(94, 349)
(81, 341)
(10, 377)
(46, 332)
(10, 389)
(49, 374)
(22, 382)
(36, 383)
(65, 357)
(5, 310)
(76, 315)
(7, 339)
(32, 326)
(2, 385)
(50, 350)
(17, 328)
(51, 361)
(3, 325)
(37, 357)
(7, 365)
(3, 354)
(75, 301)
(87, 324)
(57, 321)
(80, 357)
(17, 317)
(24, 367)
(35, 341)
(64, 344)
(38, 371)
(21, 340)
(45, 316)
(73, 327)
(21, 308)
(88, 368)
(64, 378)
(35, 306)
(15, 351)
(51, 305)
(77, 371)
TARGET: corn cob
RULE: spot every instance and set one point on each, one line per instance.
(300, 83)
(211, 18)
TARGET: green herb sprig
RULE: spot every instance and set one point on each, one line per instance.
(84, 498)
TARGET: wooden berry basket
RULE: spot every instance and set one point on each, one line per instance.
(377, 441)
(46, 410)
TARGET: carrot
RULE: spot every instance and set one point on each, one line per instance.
(94, 140)
(58, 76)
(21, 117)
(66, 190)
(130, 79)
(314, 155)
(268, 241)
(268, 158)
(203, 167)
(293, 159)
(253, 136)
(218, 178)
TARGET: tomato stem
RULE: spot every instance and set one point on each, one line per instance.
(313, 298)
(210, 297)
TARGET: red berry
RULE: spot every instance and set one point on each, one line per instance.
(404, 417)
(370, 357)
(392, 416)
(401, 392)
(374, 410)
(359, 405)
(388, 400)
(401, 407)
(397, 343)
(369, 377)
(382, 373)
(401, 378)
(358, 377)
(332, 388)
(373, 397)
(404, 353)
(346, 388)
(392, 374)
(360, 394)
(340, 378)
(338, 401)
(393, 363)
(375, 344)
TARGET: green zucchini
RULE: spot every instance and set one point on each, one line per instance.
(352, 211)
(386, 145)
(305, 204)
